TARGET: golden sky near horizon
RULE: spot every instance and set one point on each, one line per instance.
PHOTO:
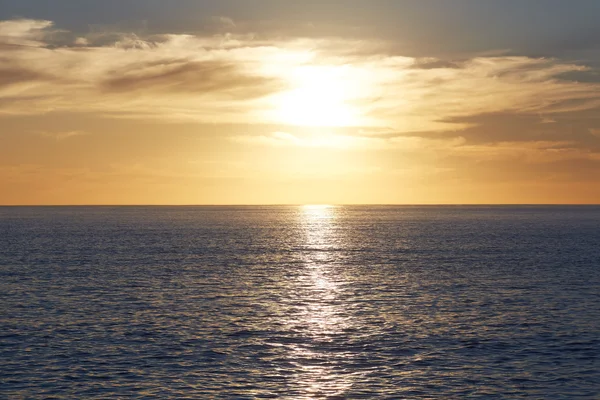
(233, 116)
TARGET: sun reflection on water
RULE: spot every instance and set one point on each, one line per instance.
(321, 314)
(312, 212)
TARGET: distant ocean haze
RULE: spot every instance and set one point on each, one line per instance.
(290, 302)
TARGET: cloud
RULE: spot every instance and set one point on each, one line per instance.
(284, 139)
(185, 76)
(11, 75)
(224, 22)
(202, 79)
(436, 148)
(350, 141)
(24, 32)
(59, 136)
(434, 63)
(547, 120)
(530, 152)
(243, 79)
(424, 96)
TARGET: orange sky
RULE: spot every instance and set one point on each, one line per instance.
(230, 116)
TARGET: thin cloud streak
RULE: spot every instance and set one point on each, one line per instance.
(24, 32)
(60, 136)
(225, 78)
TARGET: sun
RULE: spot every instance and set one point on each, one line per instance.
(319, 96)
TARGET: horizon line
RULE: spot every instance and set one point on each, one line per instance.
(305, 204)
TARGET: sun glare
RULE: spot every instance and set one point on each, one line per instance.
(319, 96)
(318, 211)
(316, 206)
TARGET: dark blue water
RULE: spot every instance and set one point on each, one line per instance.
(300, 303)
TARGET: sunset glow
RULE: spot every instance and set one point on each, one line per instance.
(320, 96)
(294, 109)
(318, 199)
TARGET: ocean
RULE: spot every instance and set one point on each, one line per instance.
(346, 302)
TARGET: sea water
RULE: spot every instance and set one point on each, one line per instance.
(349, 302)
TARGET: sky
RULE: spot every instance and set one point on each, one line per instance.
(288, 102)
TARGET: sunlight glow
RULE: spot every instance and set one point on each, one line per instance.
(316, 206)
(319, 96)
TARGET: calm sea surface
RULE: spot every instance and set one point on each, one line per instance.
(300, 303)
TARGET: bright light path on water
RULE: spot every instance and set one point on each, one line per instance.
(318, 289)
(317, 211)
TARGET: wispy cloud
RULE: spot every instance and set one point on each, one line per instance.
(59, 136)
(350, 141)
(457, 147)
(327, 140)
(239, 78)
(24, 32)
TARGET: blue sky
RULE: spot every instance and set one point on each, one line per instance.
(422, 27)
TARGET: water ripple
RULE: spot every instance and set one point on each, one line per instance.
(300, 303)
